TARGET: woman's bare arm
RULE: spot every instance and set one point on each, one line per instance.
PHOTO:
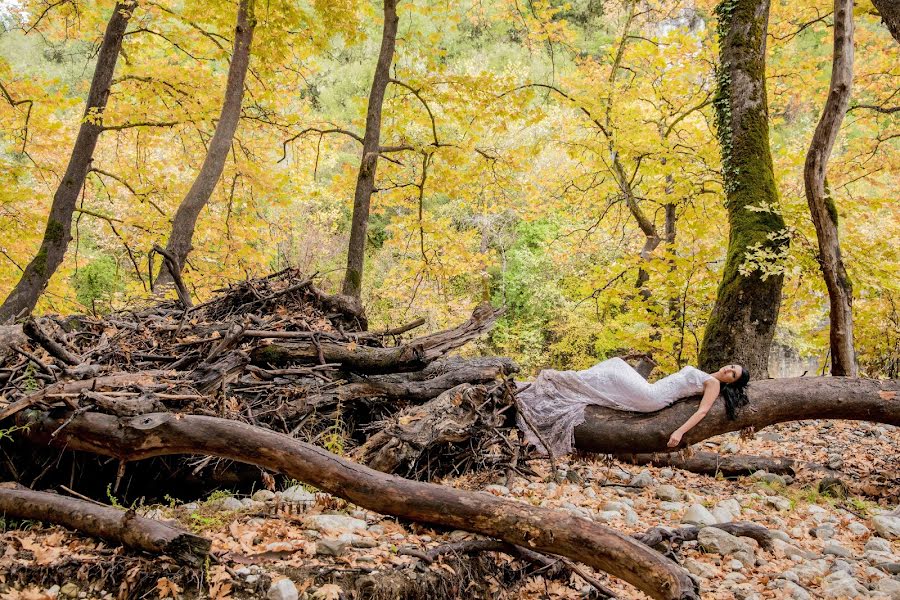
(710, 393)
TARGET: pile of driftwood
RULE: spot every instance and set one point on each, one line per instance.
(279, 353)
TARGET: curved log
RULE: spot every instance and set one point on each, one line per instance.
(772, 401)
(107, 522)
(541, 529)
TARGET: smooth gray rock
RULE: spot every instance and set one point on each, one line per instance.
(698, 514)
(283, 589)
(671, 506)
(230, 503)
(497, 490)
(337, 523)
(842, 585)
(608, 516)
(795, 591)
(810, 570)
(857, 529)
(712, 539)
(699, 569)
(642, 479)
(889, 586)
(263, 496)
(879, 544)
(779, 502)
(835, 549)
(332, 547)
(296, 494)
(887, 526)
(824, 532)
(722, 515)
(669, 493)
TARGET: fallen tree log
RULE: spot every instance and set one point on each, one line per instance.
(411, 356)
(772, 401)
(118, 526)
(712, 463)
(541, 529)
(657, 535)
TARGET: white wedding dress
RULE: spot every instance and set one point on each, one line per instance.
(554, 404)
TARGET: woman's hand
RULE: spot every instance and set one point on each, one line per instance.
(675, 439)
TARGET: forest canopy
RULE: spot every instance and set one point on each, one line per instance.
(559, 159)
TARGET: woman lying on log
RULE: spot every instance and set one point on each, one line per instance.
(555, 403)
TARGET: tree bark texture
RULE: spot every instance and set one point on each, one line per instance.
(106, 522)
(58, 231)
(772, 401)
(365, 179)
(540, 529)
(890, 14)
(742, 323)
(821, 204)
(712, 463)
(179, 244)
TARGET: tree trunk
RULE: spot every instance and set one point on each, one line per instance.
(365, 180)
(179, 244)
(712, 464)
(890, 14)
(537, 528)
(58, 233)
(742, 323)
(772, 401)
(821, 204)
(105, 522)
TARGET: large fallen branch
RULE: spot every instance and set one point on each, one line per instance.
(712, 463)
(107, 522)
(411, 356)
(772, 401)
(518, 523)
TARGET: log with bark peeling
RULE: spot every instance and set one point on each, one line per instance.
(518, 523)
(772, 401)
(106, 522)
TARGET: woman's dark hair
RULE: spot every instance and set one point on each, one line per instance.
(735, 394)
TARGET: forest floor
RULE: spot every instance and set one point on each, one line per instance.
(298, 541)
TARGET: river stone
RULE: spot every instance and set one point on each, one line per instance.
(607, 516)
(811, 570)
(712, 539)
(779, 502)
(701, 569)
(795, 591)
(731, 505)
(283, 589)
(263, 496)
(297, 495)
(857, 529)
(698, 514)
(789, 550)
(889, 586)
(835, 549)
(671, 506)
(722, 515)
(230, 503)
(497, 490)
(332, 547)
(613, 505)
(842, 585)
(824, 532)
(642, 479)
(337, 523)
(770, 478)
(879, 544)
(669, 493)
(887, 526)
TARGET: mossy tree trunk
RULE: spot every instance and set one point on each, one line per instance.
(365, 180)
(179, 244)
(821, 204)
(58, 232)
(742, 323)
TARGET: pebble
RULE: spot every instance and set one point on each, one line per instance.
(735, 565)
(824, 532)
(190, 506)
(770, 478)
(811, 570)
(698, 514)
(779, 502)
(497, 490)
(700, 569)
(69, 590)
(795, 591)
(857, 529)
(671, 506)
(666, 473)
(332, 547)
(283, 589)
(607, 516)
(879, 544)
(230, 503)
(722, 515)
(889, 586)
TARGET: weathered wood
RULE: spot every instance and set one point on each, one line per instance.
(657, 535)
(890, 15)
(772, 401)
(411, 356)
(540, 529)
(712, 463)
(118, 526)
(33, 330)
(11, 335)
